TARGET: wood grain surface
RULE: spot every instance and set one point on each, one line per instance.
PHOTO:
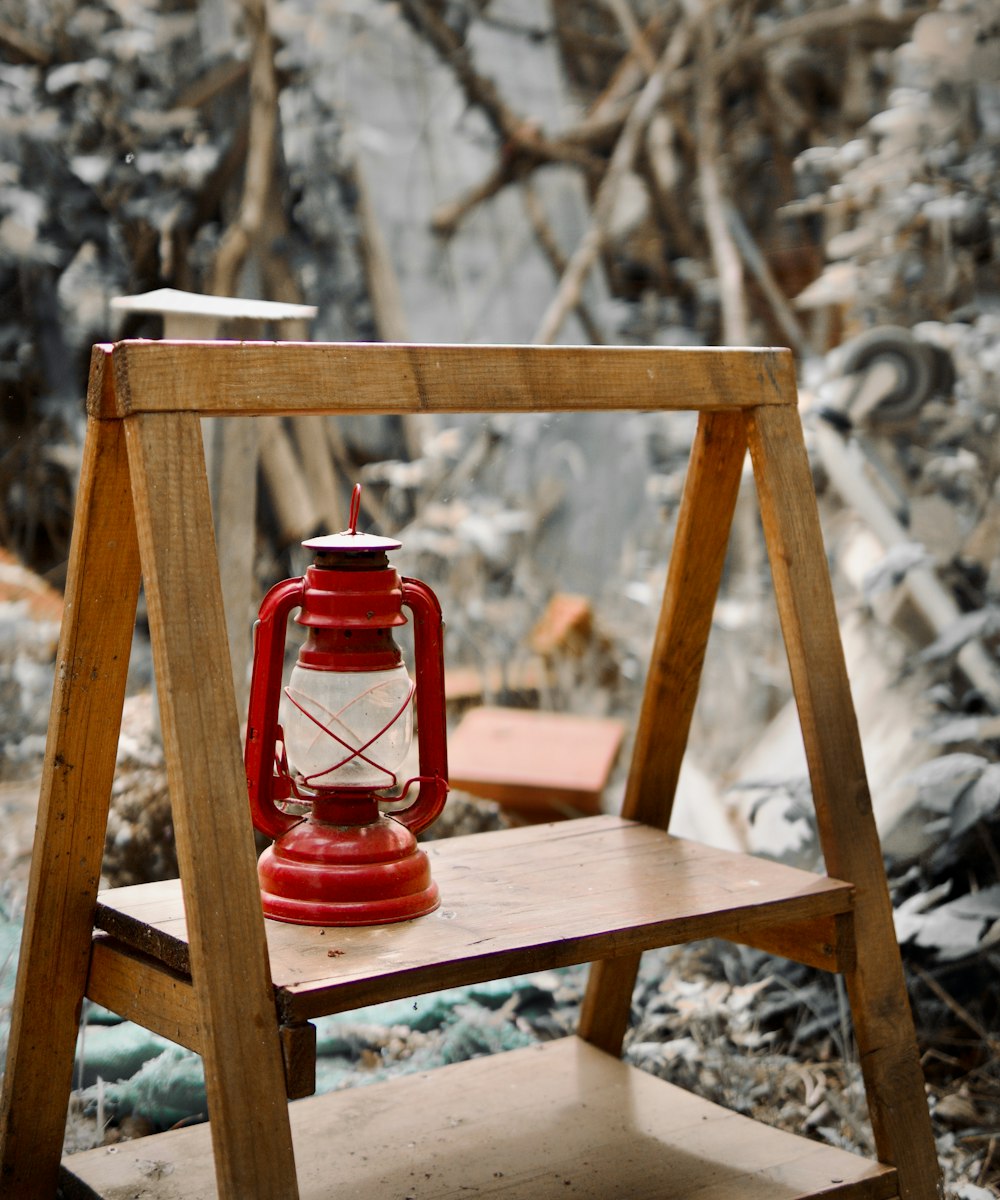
(542, 1123)
(252, 379)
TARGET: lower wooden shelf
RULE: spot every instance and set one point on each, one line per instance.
(554, 1120)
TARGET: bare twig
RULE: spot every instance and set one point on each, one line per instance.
(20, 46)
(216, 80)
(667, 172)
(590, 246)
(755, 260)
(609, 111)
(622, 12)
(387, 300)
(258, 180)
(550, 247)
(959, 1010)
(518, 134)
(448, 217)
(824, 22)
(728, 267)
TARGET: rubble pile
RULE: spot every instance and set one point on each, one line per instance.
(908, 205)
(911, 213)
(125, 134)
(690, 136)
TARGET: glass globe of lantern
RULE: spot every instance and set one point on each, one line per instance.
(347, 729)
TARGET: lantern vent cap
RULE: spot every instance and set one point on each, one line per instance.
(349, 540)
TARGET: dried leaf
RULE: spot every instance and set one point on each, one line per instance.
(941, 781)
(892, 570)
(965, 729)
(953, 930)
(984, 622)
(977, 802)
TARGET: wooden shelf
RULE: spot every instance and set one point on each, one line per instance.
(206, 970)
(560, 1119)
(513, 901)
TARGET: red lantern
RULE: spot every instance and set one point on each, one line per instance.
(335, 737)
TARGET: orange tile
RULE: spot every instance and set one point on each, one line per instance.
(538, 764)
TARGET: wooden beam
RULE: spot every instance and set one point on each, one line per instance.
(250, 379)
(157, 997)
(142, 990)
(882, 1020)
(696, 564)
(91, 667)
(244, 1074)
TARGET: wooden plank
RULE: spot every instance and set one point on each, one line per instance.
(170, 302)
(545, 1122)
(882, 1020)
(512, 901)
(826, 943)
(153, 995)
(298, 1047)
(244, 1076)
(142, 990)
(91, 666)
(696, 565)
(258, 378)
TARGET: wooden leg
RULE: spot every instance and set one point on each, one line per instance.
(876, 986)
(607, 1002)
(92, 664)
(244, 1074)
(696, 564)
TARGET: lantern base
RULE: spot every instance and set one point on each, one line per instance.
(321, 874)
(359, 912)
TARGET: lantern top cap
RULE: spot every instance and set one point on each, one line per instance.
(357, 542)
(349, 539)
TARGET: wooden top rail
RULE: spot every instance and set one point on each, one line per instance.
(286, 378)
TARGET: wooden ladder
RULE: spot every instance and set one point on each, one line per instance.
(195, 960)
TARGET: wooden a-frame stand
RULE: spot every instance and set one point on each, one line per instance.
(205, 969)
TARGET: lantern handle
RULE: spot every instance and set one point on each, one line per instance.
(262, 717)
(352, 520)
(432, 739)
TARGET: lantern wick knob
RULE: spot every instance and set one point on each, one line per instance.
(352, 527)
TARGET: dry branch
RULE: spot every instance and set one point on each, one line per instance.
(728, 267)
(621, 10)
(258, 183)
(622, 159)
(754, 259)
(19, 46)
(849, 18)
(519, 136)
(550, 248)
